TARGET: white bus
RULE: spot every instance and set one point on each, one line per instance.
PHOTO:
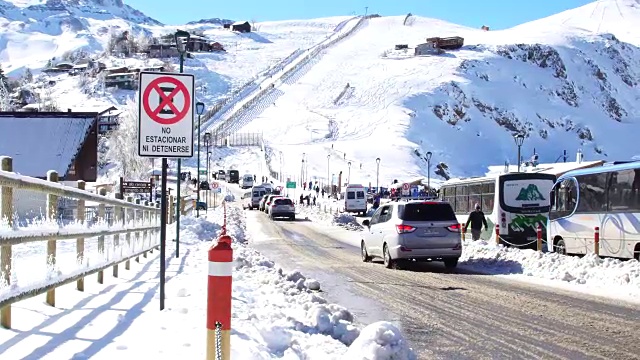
(607, 197)
(518, 202)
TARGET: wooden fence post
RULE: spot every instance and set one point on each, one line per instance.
(157, 212)
(145, 222)
(6, 214)
(152, 220)
(80, 217)
(127, 221)
(52, 207)
(117, 219)
(137, 222)
(102, 216)
(170, 213)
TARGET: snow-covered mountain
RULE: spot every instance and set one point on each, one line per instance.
(34, 31)
(562, 81)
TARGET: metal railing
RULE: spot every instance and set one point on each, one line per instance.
(131, 231)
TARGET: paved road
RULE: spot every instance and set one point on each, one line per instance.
(455, 315)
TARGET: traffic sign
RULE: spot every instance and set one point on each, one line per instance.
(291, 184)
(215, 185)
(406, 189)
(165, 115)
(217, 190)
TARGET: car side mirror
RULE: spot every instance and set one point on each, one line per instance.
(366, 223)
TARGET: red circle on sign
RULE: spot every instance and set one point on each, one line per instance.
(405, 186)
(166, 100)
(215, 185)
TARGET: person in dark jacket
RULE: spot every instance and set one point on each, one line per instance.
(476, 220)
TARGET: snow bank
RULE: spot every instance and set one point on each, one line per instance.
(380, 341)
(590, 271)
(330, 217)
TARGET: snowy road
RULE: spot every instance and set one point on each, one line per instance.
(455, 315)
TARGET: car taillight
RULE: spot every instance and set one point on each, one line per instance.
(403, 229)
(454, 228)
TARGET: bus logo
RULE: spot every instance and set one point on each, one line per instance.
(530, 193)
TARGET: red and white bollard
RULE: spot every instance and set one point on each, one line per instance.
(596, 241)
(219, 299)
(497, 234)
(539, 237)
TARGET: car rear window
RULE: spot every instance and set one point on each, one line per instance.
(426, 212)
(283, 202)
(360, 194)
(351, 195)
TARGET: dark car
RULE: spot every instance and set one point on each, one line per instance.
(204, 185)
(201, 205)
(233, 176)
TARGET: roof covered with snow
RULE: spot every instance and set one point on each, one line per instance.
(40, 142)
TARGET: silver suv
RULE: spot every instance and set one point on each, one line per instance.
(414, 230)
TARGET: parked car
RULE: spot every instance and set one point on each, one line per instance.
(233, 176)
(412, 231)
(201, 205)
(267, 204)
(282, 207)
(204, 185)
(263, 200)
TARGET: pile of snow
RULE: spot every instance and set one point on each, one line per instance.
(590, 272)
(380, 340)
(328, 215)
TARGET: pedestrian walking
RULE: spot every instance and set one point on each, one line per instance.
(476, 220)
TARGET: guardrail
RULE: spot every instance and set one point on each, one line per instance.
(129, 232)
(226, 127)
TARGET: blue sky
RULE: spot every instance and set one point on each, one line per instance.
(498, 14)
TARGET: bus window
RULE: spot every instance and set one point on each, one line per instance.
(624, 191)
(593, 193)
(564, 202)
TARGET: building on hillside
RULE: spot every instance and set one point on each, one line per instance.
(108, 116)
(216, 46)
(160, 51)
(59, 68)
(241, 26)
(198, 43)
(427, 49)
(447, 43)
(65, 142)
(485, 28)
(116, 70)
(126, 81)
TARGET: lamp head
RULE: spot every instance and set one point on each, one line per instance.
(199, 108)
(378, 160)
(519, 139)
(429, 154)
(182, 38)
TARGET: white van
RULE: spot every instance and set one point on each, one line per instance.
(257, 192)
(247, 181)
(355, 199)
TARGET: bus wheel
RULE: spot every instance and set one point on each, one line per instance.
(561, 248)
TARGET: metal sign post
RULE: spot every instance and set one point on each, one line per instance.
(165, 130)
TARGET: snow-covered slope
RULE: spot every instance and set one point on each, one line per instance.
(34, 31)
(565, 89)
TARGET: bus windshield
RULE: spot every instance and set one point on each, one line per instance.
(523, 193)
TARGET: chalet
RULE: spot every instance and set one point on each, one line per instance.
(241, 26)
(401, 46)
(108, 116)
(485, 28)
(79, 69)
(116, 70)
(127, 80)
(160, 51)
(226, 26)
(447, 43)
(216, 46)
(427, 49)
(197, 43)
(59, 68)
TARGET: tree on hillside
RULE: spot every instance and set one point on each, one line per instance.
(123, 142)
(27, 77)
(3, 78)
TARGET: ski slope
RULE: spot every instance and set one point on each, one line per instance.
(565, 89)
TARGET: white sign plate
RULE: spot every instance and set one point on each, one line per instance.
(165, 127)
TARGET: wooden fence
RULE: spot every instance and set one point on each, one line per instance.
(135, 223)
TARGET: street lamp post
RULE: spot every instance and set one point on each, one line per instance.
(199, 111)
(429, 172)
(378, 175)
(207, 141)
(519, 139)
(182, 39)
(328, 178)
(208, 175)
(349, 173)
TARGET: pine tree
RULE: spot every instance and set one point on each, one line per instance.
(3, 78)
